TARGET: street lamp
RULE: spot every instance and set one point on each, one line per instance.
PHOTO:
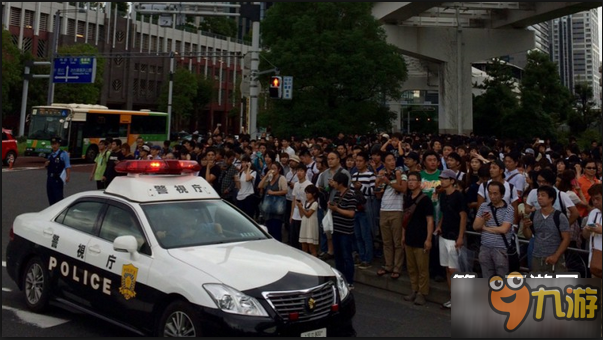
(53, 48)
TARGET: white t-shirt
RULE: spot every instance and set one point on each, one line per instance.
(596, 238)
(246, 187)
(567, 201)
(509, 196)
(299, 193)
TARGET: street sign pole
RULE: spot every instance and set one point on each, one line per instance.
(53, 53)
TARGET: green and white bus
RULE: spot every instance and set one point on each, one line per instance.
(82, 126)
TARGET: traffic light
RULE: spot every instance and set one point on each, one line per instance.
(276, 87)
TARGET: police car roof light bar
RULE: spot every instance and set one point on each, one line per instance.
(158, 167)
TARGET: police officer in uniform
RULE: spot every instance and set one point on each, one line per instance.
(58, 160)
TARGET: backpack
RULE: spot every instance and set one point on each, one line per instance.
(323, 195)
(510, 187)
(555, 219)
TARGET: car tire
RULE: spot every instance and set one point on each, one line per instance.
(179, 320)
(36, 285)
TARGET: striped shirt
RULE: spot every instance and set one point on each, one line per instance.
(392, 200)
(367, 180)
(503, 214)
(342, 224)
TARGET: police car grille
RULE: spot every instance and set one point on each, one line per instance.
(288, 302)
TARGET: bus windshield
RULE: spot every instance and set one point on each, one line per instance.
(45, 127)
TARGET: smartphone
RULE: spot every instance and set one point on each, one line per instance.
(591, 225)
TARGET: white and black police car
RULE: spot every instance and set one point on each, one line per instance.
(159, 253)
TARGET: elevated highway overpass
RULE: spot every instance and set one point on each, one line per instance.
(448, 36)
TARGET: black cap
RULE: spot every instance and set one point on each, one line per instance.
(55, 140)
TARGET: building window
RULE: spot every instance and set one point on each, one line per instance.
(15, 16)
(43, 22)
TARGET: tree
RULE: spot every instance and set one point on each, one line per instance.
(122, 7)
(183, 91)
(544, 103)
(12, 67)
(81, 93)
(204, 96)
(498, 101)
(584, 113)
(219, 25)
(343, 69)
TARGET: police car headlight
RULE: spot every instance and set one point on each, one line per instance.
(342, 285)
(232, 301)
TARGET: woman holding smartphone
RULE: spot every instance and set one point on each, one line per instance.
(592, 230)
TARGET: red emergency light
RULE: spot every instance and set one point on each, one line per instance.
(157, 167)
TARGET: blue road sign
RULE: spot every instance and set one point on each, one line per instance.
(287, 87)
(74, 70)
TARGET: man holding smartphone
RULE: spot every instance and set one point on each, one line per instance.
(493, 220)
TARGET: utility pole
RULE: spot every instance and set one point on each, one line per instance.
(53, 53)
(253, 86)
(170, 89)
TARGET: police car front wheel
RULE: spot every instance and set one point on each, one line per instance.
(179, 320)
(36, 285)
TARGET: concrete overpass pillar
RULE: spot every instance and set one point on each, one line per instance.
(455, 50)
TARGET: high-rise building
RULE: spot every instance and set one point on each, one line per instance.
(542, 44)
(575, 48)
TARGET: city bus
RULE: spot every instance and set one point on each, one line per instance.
(82, 126)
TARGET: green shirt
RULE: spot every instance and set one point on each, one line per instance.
(429, 182)
(101, 165)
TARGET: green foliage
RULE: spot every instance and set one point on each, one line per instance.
(342, 67)
(204, 97)
(81, 93)
(122, 6)
(12, 68)
(584, 114)
(541, 87)
(543, 105)
(497, 102)
(219, 25)
(184, 92)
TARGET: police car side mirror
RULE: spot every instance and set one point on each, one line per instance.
(128, 244)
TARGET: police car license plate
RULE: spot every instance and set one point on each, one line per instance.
(317, 333)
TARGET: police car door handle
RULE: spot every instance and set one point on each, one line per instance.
(95, 249)
(48, 231)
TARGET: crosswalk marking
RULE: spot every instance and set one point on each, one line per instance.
(6, 289)
(39, 320)
(4, 264)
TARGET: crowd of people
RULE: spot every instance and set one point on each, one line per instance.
(406, 202)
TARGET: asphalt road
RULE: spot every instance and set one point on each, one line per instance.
(380, 313)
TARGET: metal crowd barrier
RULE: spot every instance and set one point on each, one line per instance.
(525, 241)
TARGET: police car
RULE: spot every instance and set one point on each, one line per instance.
(159, 253)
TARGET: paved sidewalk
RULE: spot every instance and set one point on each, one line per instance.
(438, 291)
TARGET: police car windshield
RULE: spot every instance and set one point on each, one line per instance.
(196, 223)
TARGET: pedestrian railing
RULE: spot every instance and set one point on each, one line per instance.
(574, 256)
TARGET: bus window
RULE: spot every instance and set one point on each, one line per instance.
(103, 126)
(148, 125)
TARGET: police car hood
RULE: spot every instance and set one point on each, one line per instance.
(252, 264)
